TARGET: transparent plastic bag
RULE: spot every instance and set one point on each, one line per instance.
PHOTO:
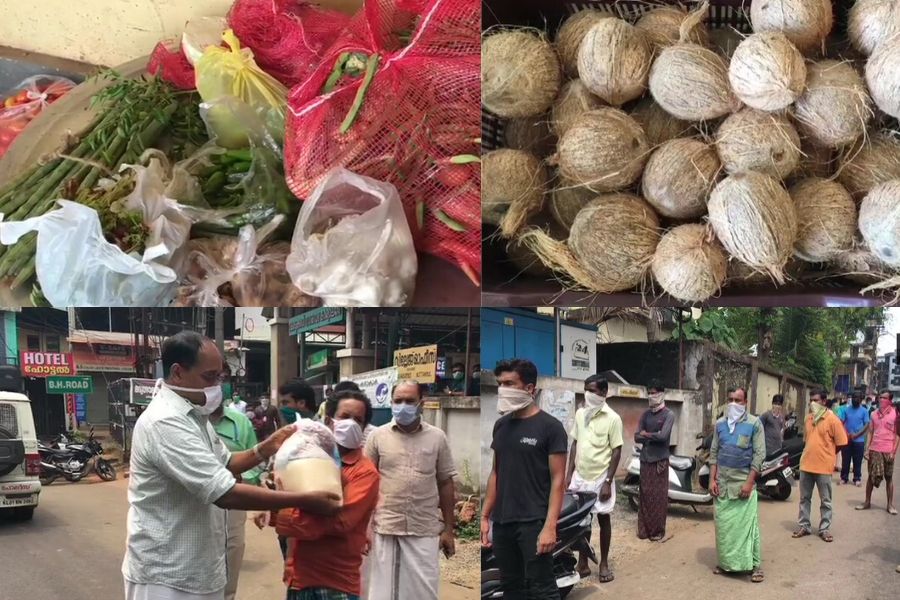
(304, 462)
(352, 245)
(232, 71)
(24, 102)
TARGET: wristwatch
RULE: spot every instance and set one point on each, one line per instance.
(608, 480)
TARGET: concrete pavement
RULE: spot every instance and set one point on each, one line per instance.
(73, 550)
(858, 565)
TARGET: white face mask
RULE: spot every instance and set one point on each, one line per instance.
(512, 400)
(592, 400)
(213, 395)
(734, 412)
(348, 433)
(656, 400)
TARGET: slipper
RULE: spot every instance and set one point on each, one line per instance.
(892, 511)
(757, 576)
(606, 577)
(801, 533)
(827, 537)
(863, 507)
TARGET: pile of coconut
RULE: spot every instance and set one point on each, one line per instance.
(660, 154)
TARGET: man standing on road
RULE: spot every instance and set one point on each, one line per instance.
(326, 553)
(182, 476)
(735, 458)
(882, 448)
(236, 431)
(824, 435)
(414, 520)
(526, 487)
(297, 400)
(856, 424)
(653, 432)
(773, 424)
(593, 460)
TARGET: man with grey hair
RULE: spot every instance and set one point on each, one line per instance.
(417, 486)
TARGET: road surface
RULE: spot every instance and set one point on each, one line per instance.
(859, 565)
(73, 550)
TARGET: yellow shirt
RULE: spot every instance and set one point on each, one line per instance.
(596, 441)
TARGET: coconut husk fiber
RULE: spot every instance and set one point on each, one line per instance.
(871, 23)
(659, 125)
(879, 221)
(835, 108)
(861, 266)
(570, 35)
(815, 160)
(754, 218)
(753, 140)
(767, 72)
(689, 263)
(520, 74)
(567, 200)
(691, 83)
(883, 76)
(679, 177)
(826, 219)
(610, 245)
(573, 101)
(520, 256)
(662, 26)
(604, 149)
(725, 40)
(805, 22)
(513, 185)
(614, 61)
(870, 162)
(531, 134)
(742, 276)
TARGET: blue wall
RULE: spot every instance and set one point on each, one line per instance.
(517, 334)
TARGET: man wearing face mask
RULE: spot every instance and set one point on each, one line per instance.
(883, 441)
(183, 475)
(824, 435)
(653, 433)
(773, 424)
(415, 515)
(326, 553)
(856, 424)
(526, 486)
(735, 458)
(593, 460)
(457, 383)
(475, 382)
(298, 401)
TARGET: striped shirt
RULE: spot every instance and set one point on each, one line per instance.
(176, 535)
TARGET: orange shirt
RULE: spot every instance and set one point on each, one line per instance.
(327, 551)
(822, 442)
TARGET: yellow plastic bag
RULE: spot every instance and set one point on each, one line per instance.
(232, 71)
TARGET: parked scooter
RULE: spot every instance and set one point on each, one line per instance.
(793, 444)
(74, 461)
(777, 476)
(572, 533)
(683, 489)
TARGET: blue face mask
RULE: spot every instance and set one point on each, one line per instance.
(405, 414)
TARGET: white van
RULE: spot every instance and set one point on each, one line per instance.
(20, 463)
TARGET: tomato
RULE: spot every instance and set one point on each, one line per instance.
(453, 176)
(22, 97)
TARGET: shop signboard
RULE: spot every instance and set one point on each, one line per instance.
(46, 364)
(317, 360)
(377, 385)
(104, 358)
(80, 408)
(70, 385)
(314, 319)
(418, 363)
(578, 352)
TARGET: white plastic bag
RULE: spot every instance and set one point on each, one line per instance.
(352, 245)
(304, 462)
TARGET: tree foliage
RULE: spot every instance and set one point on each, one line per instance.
(808, 342)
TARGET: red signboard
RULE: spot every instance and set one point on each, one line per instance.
(46, 364)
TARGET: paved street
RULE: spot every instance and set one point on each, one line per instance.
(73, 549)
(859, 564)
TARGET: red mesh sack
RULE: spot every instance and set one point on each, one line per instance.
(288, 37)
(172, 66)
(397, 99)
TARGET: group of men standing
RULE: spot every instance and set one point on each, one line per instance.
(192, 457)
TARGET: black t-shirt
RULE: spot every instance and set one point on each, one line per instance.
(522, 448)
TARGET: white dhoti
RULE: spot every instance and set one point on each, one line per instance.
(580, 484)
(236, 523)
(149, 591)
(404, 567)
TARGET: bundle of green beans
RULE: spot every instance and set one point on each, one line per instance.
(133, 115)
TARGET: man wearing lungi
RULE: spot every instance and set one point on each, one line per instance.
(593, 460)
(881, 450)
(735, 458)
(653, 433)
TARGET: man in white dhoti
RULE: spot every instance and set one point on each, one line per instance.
(417, 488)
(593, 460)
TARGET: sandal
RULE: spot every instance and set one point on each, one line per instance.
(826, 536)
(801, 533)
(892, 511)
(757, 576)
(719, 571)
(606, 577)
(864, 507)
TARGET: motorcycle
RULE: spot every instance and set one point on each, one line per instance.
(793, 444)
(573, 532)
(777, 476)
(73, 461)
(683, 489)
